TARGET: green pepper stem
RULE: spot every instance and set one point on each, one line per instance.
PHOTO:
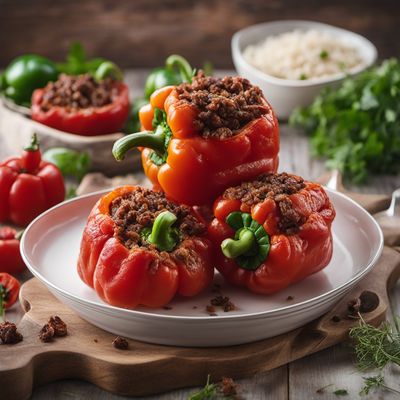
(154, 141)
(234, 248)
(162, 234)
(33, 145)
(183, 66)
(108, 69)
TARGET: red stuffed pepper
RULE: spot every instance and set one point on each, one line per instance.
(28, 186)
(271, 232)
(82, 105)
(200, 138)
(138, 248)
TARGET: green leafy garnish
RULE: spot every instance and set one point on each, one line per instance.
(355, 126)
(375, 347)
(303, 77)
(323, 55)
(341, 392)
(209, 391)
(77, 62)
(376, 382)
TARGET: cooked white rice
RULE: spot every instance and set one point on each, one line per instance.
(303, 55)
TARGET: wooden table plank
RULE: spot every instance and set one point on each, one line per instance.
(301, 379)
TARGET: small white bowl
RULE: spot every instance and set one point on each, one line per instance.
(286, 94)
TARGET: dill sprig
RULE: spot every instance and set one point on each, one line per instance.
(375, 347)
(209, 391)
(376, 382)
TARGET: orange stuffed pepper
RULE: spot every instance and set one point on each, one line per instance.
(138, 248)
(271, 232)
(201, 137)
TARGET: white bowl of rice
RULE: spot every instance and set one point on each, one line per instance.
(293, 60)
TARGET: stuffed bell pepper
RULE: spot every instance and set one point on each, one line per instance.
(88, 104)
(201, 137)
(138, 248)
(271, 232)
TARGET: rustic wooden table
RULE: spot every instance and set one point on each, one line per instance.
(332, 368)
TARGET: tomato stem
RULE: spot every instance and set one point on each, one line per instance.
(155, 141)
(33, 145)
(162, 235)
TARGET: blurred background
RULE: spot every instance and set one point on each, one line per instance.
(141, 33)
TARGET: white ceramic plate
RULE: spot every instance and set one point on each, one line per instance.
(50, 247)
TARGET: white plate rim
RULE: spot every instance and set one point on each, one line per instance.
(104, 307)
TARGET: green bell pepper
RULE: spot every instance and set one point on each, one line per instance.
(69, 162)
(25, 74)
(176, 71)
(133, 123)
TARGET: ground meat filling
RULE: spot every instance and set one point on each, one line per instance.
(138, 209)
(225, 105)
(77, 92)
(275, 186)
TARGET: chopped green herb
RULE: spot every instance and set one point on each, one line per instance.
(303, 77)
(341, 392)
(375, 347)
(323, 55)
(209, 391)
(374, 383)
(356, 126)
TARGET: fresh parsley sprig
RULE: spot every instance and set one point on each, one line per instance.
(356, 126)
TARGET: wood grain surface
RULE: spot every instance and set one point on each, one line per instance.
(298, 380)
(143, 32)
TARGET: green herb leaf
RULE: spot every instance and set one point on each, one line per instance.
(354, 126)
(210, 391)
(375, 347)
(323, 55)
(341, 392)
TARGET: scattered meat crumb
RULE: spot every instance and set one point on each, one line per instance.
(120, 343)
(59, 326)
(9, 333)
(369, 301)
(167, 308)
(55, 327)
(194, 307)
(210, 309)
(47, 333)
(95, 340)
(229, 388)
(289, 298)
(336, 318)
(224, 302)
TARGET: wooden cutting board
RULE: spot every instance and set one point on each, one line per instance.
(87, 352)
